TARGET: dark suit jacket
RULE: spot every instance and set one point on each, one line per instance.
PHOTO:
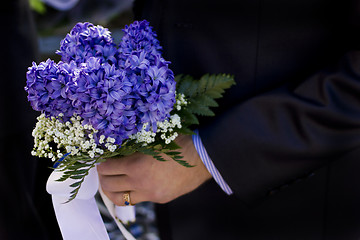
(25, 206)
(287, 137)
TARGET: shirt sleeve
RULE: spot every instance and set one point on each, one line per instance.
(209, 164)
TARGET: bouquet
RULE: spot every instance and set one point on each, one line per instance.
(106, 100)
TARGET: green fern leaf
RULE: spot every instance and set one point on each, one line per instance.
(184, 163)
(148, 151)
(185, 131)
(172, 146)
(205, 100)
(187, 86)
(173, 153)
(76, 177)
(216, 84)
(188, 117)
(200, 109)
(76, 184)
(159, 158)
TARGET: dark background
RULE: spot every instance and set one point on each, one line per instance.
(25, 207)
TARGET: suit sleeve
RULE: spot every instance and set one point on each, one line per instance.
(279, 136)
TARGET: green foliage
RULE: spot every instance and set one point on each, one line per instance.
(77, 170)
(38, 6)
(201, 94)
(210, 85)
(188, 117)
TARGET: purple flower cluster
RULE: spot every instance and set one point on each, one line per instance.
(139, 38)
(46, 87)
(86, 40)
(116, 89)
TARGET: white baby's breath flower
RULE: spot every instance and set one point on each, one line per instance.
(180, 101)
(110, 140)
(72, 136)
(167, 129)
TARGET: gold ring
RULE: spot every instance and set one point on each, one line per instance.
(126, 197)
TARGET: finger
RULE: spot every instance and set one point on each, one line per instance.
(112, 166)
(117, 166)
(115, 183)
(118, 197)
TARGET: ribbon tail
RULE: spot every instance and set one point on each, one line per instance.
(125, 214)
(80, 218)
(120, 214)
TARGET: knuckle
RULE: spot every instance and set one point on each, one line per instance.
(102, 168)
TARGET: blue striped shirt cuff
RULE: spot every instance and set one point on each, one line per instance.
(209, 163)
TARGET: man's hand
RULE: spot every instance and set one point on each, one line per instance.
(148, 179)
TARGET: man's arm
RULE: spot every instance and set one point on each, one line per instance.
(148, 179)
(277, 137)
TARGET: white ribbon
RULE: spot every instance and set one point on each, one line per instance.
(80, 218)
(124, 214)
